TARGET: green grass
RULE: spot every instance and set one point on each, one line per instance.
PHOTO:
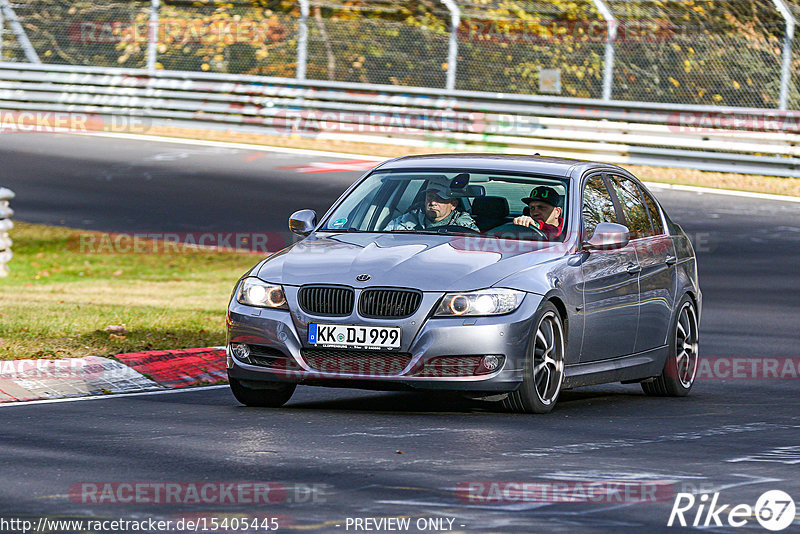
(58, 299)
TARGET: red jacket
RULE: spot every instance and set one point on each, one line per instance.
(550, 230)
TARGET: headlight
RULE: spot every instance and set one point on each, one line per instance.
(484, 302)
(255, 292)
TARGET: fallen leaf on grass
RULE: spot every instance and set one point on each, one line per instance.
(116, 329)
(115, 336)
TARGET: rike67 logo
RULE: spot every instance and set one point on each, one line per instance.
(774, 510)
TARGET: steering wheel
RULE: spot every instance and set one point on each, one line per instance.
(455, 228)
(536, 231)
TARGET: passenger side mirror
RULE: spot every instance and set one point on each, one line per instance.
(608, 236)
(303, 222)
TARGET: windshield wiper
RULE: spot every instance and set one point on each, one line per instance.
(350, 230)
(431, 231)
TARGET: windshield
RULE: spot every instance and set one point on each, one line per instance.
(491, 204)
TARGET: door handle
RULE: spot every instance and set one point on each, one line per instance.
(671, 260)
(633, 268)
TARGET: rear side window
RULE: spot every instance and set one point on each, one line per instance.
(597, 205)
(655, 214)
(637, 218)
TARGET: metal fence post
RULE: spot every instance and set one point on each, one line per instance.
(786, 65)
(452, 52)
(5, 225)
(19, 31)
(302, 40)
(608, 63)
(152, 37)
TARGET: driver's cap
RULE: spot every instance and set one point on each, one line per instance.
(439, 185)
(544, 194)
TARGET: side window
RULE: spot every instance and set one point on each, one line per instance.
(655, 213)
(409, 193)
(636, 217)
(597, 205)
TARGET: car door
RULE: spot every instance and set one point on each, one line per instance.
(655, 255)
(610, 282)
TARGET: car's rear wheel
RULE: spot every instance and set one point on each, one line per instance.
(680, 369)
(277, 394)
(544, 365)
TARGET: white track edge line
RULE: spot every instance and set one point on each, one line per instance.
(112, 396)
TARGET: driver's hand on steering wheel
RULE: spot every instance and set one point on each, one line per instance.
(524, 220)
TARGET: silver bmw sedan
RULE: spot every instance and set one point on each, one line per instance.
(509, 278)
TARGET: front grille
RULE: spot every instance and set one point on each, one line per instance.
(382, 303)
(450, 366)
(326, 300)
(366, 363)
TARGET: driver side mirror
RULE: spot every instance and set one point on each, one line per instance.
(608, 236)
(303, 222)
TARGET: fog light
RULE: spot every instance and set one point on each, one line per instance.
(240, 351)
(491, 363)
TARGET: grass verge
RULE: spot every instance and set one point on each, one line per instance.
(61, 302)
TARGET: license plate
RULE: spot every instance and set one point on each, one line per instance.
(354, 337)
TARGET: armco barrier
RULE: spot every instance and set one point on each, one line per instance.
(753, 141)
(5, 225)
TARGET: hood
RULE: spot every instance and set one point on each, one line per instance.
(425, 262)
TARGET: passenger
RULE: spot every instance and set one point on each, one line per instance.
(441, 209)
(545, 205)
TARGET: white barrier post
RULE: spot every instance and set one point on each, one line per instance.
(452, 52)
(152, 37)
(302, 40)
(786, 62)
(611, 40)
(19, 31)
(5, 225)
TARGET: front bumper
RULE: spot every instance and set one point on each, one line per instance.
(424, 340)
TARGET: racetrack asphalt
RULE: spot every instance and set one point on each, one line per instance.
(374, 454)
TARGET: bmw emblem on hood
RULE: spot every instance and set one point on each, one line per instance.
(362, 277)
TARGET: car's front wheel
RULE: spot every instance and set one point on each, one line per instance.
(277, 395)
(544, 365)
(680, 369)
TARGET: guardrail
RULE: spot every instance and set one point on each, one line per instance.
(753, 141)
(5, 225)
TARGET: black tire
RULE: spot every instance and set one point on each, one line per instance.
(277, 395)
(680, 369)
(544, 365)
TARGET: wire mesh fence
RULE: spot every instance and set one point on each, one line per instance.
(395, 43)
(709, 52)
(794, 86)
(539, 47)
(720, 52)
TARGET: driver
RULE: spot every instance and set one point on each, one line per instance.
(545, 211)
(441, 209)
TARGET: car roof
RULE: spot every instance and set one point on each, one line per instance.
(495, 162)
